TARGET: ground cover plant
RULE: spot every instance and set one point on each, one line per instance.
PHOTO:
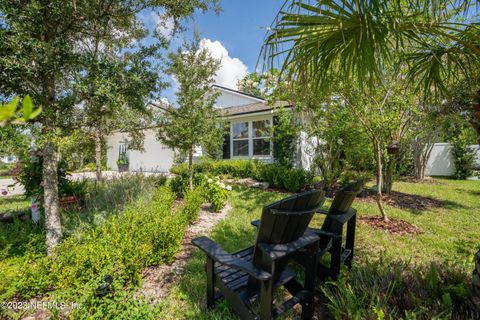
(104, 242)
(419, 276)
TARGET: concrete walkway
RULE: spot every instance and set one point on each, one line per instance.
(18, 189)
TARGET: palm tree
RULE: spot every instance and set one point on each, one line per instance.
(436, 41)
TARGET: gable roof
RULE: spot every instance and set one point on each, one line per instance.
(238, 92)
(251, 108)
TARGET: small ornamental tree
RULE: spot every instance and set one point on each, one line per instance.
(39, 42)
(195, 122)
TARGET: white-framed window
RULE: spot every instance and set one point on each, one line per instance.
(250, 139)
(240, 139)
(261, 138)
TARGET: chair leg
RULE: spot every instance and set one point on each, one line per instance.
(350, 239)
(210, 283)
(266, 299)
(309, 284)
(336, 258)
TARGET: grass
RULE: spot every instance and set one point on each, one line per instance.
(450, 234)
(13, 203)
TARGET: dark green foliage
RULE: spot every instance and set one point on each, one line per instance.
(463, 156)
(281, 177)
(286, 131)
(397, 289)
(276, 175)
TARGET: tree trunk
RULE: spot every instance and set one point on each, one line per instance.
(190, 168)
(389, 170)
(98, 154)
(476, 283)
(50, 180)
(379, 178)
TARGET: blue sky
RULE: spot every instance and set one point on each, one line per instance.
(235, 36)
(240, 27)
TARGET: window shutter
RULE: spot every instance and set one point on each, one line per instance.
(226, 143)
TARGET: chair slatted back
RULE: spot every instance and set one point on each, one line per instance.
(288, 225)
(342, 202)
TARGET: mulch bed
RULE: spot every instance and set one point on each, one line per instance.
(407, 201)
(394, 226)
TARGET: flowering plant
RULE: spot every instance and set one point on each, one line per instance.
(216, 193)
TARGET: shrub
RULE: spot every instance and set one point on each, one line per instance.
(279, 176)
(212, 190)
(400, 290)
(146, 233)
(276, 175)
(216, 193)
(463, 156)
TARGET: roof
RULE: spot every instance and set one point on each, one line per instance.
(251, 108)
(239, 92)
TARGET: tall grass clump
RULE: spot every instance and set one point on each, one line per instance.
(399, 290)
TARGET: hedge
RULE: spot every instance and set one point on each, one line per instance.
(276, 175)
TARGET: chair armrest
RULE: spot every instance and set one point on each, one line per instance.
(255, 223)
(277, 251)
(217, 253)
(322, 211)
(342, 218)
(322, 233)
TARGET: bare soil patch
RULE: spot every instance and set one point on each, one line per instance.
(395, 226)
(157, 280)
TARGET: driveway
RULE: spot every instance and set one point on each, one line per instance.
(4, 186)
(18, 189)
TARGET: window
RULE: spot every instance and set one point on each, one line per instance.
(261, 135)
(250, 139)
(240, 136)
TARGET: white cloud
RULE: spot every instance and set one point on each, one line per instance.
(161, 22)
(231, 69)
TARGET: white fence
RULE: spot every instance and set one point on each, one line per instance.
(441, 163)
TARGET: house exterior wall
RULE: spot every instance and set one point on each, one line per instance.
(441, 162)
(155, 157)
(229, 99)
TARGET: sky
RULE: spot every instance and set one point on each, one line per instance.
(235, 36)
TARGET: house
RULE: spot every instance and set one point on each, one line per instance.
(249, 117)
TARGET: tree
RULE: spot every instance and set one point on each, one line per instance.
(355, 40)
(39, 55)
(195, 122)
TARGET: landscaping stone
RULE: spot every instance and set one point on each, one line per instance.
(248, 182)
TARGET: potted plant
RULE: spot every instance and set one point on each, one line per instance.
(122, 162)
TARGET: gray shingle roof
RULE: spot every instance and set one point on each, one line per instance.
(250, 108)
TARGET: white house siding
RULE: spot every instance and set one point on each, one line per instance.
(441, 163)
(230, 99)
(155, 158)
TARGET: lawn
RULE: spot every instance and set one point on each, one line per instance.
(450, 234)
(449, 237)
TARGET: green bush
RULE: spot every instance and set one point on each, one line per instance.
(463, 156)
(276, 175)
(399, 290)
(212, 190)
(216, 193)
(147, 233)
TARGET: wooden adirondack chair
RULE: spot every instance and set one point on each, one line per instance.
(251, 275)
(331, 233)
